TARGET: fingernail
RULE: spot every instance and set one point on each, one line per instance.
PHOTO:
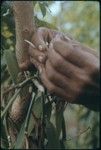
(41, 58)
(40, 69)
(40, 47)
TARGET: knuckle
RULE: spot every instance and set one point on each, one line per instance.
(41, 29)
(51, 88)
(57, 62)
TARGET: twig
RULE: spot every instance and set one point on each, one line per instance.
(29, 111)
(20, 85)
(27, 142)
(38, 85)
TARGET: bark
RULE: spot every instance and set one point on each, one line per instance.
(24, 22)
(23, 13)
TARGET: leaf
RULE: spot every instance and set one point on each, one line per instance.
(31, 124)
(48, 109)
(20, 137)
(7, 34)
(53, 140)
(43, 8)
(38, 108)
(59, 119)
(4, 140)
(34, 3)
(63, 134)
(12, 65)
(45, 3)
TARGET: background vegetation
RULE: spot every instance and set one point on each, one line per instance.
(81, 20)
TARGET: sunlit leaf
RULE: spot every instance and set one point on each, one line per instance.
(7, 34)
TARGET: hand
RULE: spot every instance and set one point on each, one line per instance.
(41, 39)
(71, 72)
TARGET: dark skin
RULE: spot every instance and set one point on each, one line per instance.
(67, 68)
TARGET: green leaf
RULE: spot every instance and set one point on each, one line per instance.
(63, 134)
(52, 137)
(48, 109)
(34, 3)
(38, 107)
(20, 137)
(31, 124)
(45, 3)
(12, 64)
(43, 8)
(59, 120)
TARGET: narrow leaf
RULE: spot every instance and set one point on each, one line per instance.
(20, 138)
(59, 119)
(48, 109)
(38, 108)
(12, 65)
(53, 140)
(4, 140)
(43, 9)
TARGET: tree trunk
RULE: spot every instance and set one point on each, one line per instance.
(24, 22)
(23, 13)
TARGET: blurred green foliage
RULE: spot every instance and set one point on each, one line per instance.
(80, 19)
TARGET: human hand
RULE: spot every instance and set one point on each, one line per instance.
(71, 71)
(41, 39)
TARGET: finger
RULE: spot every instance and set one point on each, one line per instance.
(57, 78)
(34, 62)
(73, 54)
(37, 55)
(38, 65)
(62, 65)
(39, 39)
(52, 88)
